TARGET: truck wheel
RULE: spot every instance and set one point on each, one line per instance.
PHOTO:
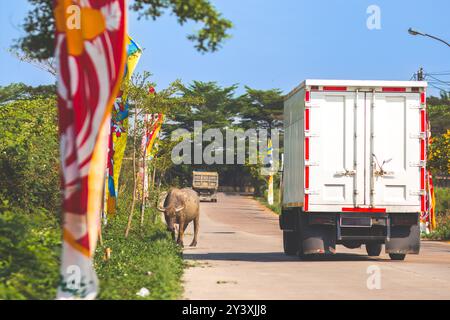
(397, 256)
(290, 242)
(373, 249)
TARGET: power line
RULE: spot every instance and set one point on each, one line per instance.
(439, 73)
(438, 80)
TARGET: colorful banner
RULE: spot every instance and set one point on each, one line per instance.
(153, 127)
(153, 124)
(90, 54)
(119, 129)
(269, 161)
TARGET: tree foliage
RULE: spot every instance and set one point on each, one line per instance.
(439, 150)
(21, 91)
(29, 152)
(38, 43)
(439, 154)
(215, 111)
(260, 108)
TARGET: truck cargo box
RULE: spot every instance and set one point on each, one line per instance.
(355, 144)
(354, 166)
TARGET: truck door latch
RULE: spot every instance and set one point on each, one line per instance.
(346, 173)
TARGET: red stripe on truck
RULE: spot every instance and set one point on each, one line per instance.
(422, 203)
(306, 177)
(392, 89)
(422, 150)
(423, 121)
(422, 178)
(306, 119)
(307, 96)
(378, 210)
(307, 148)
(423, 98)
(329, 88)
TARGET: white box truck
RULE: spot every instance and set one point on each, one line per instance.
(354, 166)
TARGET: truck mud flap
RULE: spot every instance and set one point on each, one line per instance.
(288, 219)
(403, 240)
(317, 239)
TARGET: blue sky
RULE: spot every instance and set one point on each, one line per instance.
(276, 43)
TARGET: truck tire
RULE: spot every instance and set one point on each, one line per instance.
(373, 249)
(397, 256)
(290, 242)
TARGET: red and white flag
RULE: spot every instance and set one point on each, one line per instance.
(90, 52)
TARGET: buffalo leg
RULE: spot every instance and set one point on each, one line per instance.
(196, 227)
(181, 233)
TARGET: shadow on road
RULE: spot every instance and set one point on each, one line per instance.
(275, 257)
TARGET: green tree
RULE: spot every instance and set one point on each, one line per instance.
(260, 109)
(439, 114)
(38, 43)
(20, 91)
(215, 111)
(29, 157)
(439, 154)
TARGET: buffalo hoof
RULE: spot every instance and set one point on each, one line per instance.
(193, 244)
(180, 243)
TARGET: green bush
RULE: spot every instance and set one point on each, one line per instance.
(442, 196)
(442, 231)
(29, 250)
(29, 154)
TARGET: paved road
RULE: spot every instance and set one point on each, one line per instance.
(240, 256)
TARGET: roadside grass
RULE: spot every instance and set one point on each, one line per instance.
(276, 207)
(442, 231)
(30, 248)
(148, 258)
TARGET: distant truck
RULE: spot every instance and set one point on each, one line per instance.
(206, 185)
(354, 166)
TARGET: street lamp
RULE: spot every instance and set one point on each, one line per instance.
(418, 33)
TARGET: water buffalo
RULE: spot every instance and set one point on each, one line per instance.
(181, 207)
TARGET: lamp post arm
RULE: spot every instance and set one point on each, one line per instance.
(438, 39)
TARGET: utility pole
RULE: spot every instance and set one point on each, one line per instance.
(420, 76)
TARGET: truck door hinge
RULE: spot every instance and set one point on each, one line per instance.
(311, 135)
(309, 163)
(417, 193)
(420, 164)
(420, 136)
(420, 107)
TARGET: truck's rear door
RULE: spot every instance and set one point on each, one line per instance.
(334, 145)
(394, 144)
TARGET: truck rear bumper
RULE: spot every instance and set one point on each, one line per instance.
(398, 231)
